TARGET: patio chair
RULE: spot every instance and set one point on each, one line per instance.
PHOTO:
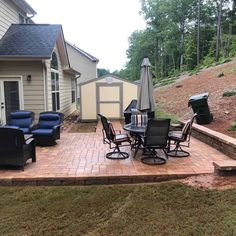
(114, 140)
(48, 129)
(22, 119)
(14, 149)
(156, 138)
(181, 139)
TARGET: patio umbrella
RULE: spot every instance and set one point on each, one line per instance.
(146, 90)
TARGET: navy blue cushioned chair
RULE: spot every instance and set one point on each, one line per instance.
(48, 129)
(22, 119)
(14, 149)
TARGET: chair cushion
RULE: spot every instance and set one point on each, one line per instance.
(121, 138)
(175, 135)
(47, 121)
(43, 132)
(20, 114)
(139, 120)
(21, 122)
(25, 130)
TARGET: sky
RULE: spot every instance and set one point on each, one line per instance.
(99, 27)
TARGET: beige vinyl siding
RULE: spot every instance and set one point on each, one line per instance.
(9, 14)
(66, 107)
(33, 92)
(81, 63)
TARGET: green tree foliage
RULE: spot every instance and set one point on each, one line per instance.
(102, 71)
(181, 35)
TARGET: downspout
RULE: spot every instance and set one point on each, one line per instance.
(76, 89)
(45, 85)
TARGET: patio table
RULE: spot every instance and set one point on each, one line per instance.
(138, 132)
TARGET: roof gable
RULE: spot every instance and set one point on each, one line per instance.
(31, 41)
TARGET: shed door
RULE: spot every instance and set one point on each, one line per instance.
(110, 99)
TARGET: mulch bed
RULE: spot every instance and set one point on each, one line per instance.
(73, 125)
(174, 98)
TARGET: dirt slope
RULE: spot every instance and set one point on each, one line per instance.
(174, 98)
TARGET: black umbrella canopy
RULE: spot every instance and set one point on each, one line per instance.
(146, 90)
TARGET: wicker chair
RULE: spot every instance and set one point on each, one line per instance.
(181, 139)
(48, 129)
(14, 150)
(114, 140)
(22, 119)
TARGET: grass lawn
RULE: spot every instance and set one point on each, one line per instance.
(153, 209)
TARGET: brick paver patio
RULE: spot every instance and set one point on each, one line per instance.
(79, 158)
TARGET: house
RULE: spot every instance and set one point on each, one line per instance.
(35, 73)
(14, 12)
(84, 62)
(38, 69)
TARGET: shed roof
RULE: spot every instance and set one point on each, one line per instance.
(29, 40)
(108, 75)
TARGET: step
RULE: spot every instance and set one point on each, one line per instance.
(225, 167)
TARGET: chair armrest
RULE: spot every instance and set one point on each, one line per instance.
(28, 141)
(34, 127)
(56, 127)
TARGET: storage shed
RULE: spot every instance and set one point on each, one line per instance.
(108, 95)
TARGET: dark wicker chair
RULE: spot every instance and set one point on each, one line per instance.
(48, 129)
(156, 137)
(22, 119)
(181, 139)
(14, 150)
(114, 140)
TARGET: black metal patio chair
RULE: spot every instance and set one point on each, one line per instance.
(181, 139)
(156, 138)
(114, 140)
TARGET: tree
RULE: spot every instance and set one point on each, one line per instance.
(102, 71)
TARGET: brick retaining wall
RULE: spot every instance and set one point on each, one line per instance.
(220, 141)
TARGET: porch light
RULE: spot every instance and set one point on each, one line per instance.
(29, 78)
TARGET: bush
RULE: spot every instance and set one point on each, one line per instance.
(229, 93)
(221, 75)
(232, 126)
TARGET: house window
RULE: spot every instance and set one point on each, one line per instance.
(55, 83)
(73, 89)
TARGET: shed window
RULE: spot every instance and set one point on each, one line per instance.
(73, 89)
(55, 83)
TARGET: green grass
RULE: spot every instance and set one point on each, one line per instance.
(161, 115)
(157, 209)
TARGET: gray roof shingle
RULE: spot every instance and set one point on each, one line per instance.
(29, 40)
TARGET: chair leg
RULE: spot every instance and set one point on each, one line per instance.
(178, 151)
(117, 154)
(154, 159)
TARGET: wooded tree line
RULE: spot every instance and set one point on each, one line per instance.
(182, 35)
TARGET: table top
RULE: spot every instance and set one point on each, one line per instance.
(135, 129)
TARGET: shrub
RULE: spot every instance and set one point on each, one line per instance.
(221, 75)
(229, 93)
(232, 126)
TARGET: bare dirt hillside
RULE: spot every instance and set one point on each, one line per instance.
(174, 98)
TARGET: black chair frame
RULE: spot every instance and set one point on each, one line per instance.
(181, 139)
(115, 141)
(156, 141)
